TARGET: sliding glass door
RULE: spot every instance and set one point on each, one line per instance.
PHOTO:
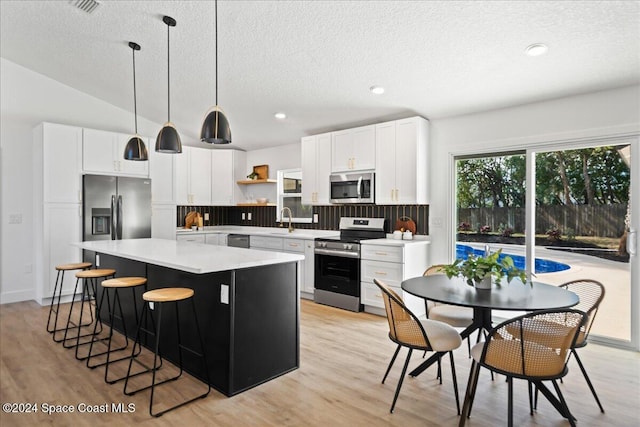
(563, 212)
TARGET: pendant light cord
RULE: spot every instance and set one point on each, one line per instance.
(216, 35)
(168, 80)
(135, 102)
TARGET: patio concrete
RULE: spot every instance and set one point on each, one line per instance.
(614, 316)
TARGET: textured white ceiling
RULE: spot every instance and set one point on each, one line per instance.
(315, 60)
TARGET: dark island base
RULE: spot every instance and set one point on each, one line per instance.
(252, 339)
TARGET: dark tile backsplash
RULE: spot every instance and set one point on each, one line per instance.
(328, 216)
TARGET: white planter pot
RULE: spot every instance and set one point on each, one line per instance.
(484, 283)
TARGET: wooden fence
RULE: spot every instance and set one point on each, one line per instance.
(581, 220)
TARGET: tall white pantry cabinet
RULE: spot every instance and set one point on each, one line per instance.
(57, 201)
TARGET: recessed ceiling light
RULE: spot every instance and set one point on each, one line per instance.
(377, 90)
(536, 49)
(280, 116)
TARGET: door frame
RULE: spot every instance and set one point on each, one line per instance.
(531, 149)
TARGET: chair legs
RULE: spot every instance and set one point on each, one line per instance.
(404, 371)
(393, 359)
(586, 377)
(470, 393)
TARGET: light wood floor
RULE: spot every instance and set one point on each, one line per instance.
(343, 358)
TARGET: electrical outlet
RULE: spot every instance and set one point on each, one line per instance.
(206, 216)
(437, 222)
(243, 216)
(315, 217)
(97, 260)
(249, 216)
(224, 294)
(151, 306)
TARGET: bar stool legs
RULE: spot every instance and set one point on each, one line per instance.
(115, 285)
(159, 297)
(89, 293)
(57, 296)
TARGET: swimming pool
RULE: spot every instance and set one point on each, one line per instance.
(542, 265)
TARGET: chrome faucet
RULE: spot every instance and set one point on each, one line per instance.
(282, 218)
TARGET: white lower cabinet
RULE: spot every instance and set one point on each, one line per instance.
(188, 237)
(391, 264)
(299, 246)
(212, 239)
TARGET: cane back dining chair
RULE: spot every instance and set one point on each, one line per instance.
(456, 316)
(591, 294)
(406, 330)
(534, 347)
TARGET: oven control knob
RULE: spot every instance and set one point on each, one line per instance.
(347, 246)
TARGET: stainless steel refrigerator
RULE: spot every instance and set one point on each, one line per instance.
(116, 207)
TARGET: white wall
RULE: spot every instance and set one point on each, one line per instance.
(593, 115)
(28, 98)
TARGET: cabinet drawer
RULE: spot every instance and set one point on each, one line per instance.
(263, 242)
(293, 245)
(389, 272)
(372, 295)
(197, 238)
(383, 253)
(211, 239)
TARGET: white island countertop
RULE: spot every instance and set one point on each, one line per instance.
(188, 256)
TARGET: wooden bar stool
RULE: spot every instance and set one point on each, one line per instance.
(157, 298)
(57, 295)
(89, 293)
(115, 285)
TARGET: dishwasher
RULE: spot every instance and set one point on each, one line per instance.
(238, 240)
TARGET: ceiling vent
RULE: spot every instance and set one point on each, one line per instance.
(86, 5)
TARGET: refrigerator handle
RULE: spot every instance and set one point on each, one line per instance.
(119, 230)
(114, 220)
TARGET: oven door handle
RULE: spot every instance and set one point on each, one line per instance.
(344, 254)
(359, 187)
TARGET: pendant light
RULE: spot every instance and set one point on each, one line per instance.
(135, 149)
(168, 140)
(215, 127)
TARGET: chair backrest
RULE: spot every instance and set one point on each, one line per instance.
(534, 345)
(404, 326)
(591, 293)
(433, 270)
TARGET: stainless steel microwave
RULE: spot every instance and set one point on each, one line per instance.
(353, 187)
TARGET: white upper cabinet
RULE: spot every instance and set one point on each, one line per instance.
(103, 153)
(193, 176)
(401, 162)
(353, 149)
(316, 167)
(162, 174)
(208, 177)
(58, 162)
(227, 167)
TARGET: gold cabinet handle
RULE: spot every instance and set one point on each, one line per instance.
(380, 273)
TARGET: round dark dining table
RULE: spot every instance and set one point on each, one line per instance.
(514, 296)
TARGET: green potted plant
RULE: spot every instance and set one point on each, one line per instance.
(478, 271)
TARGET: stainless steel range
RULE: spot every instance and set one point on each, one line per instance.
(337, 262)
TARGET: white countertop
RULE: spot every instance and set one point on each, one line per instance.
(389, 241)
(188, 256)
(298, 233)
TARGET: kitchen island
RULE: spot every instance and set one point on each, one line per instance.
(246, 301)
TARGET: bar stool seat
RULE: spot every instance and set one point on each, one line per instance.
(57, 295)
(89, 293)
(115, 284)
(159, 297)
